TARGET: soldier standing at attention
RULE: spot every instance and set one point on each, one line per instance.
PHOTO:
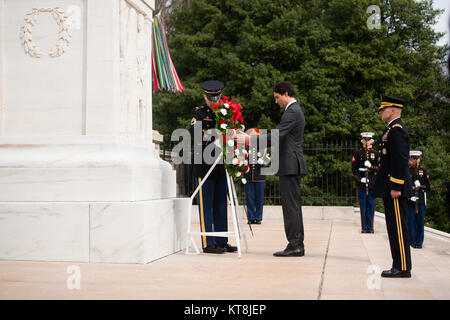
(212, 197)
(393, 184)
(417, 203)
(364, 167)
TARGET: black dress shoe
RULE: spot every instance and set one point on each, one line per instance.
(290, 252)
(370, 231)
(363, 231)
(418, 247)
(258, 221)
(228, 248)
(394, 273)
(213, 249)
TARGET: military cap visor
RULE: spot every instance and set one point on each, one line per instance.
(387, 102)
(415, 154)
(212, 89)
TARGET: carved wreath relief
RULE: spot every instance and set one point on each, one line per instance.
(64, 35)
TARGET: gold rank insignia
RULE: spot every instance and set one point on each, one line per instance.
(193, 121)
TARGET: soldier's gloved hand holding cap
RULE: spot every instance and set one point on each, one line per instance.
(413, 199)
(367, 164)
(364, 180)
(417, 183)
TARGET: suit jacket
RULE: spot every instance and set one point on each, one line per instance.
(393, 171)
(290, 147)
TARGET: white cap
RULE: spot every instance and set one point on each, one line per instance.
(367, 134)
(415, 153)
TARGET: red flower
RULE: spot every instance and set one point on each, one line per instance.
(226, 98)
(222, 121)
(215, 106)
(224, 138)
(220, 101)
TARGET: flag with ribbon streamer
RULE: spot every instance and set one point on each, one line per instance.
(165, 77)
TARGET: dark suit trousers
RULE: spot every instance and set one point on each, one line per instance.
(396, 214)
(291, 202)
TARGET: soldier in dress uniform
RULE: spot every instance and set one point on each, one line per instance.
(417, 203)
(254, 188)
(393, 184)
(212, 196)
(364, 167)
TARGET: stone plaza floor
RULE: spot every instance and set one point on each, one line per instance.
(340, 263)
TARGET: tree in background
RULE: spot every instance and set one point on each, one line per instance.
(339, 66)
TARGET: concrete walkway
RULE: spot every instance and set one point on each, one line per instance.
(340, 263)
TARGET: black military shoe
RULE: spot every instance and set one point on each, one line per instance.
(290, 252)
(213, 249)
(394, 273)
(370, 231)
(363, 231)
(227, 248)
(258, 221)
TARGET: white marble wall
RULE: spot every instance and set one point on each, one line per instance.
(110, 232)
(80, 179)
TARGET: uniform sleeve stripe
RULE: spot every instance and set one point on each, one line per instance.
(398, 181)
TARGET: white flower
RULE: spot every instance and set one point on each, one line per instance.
(223, 126)
(244, 151)
(230, 143)
(243, 127)
(244, 181)
(260, 161)
(248, 169)
(236, 152)
(235, 161)
(223, 111)
(259, 154)
(226, 105)
(241, 163)
(238, 174)
(245, 162)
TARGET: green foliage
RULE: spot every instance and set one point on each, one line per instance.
(338, 65)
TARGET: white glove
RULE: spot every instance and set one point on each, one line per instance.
(367, 164)
(417, 183)
(364, 180)
(414, 199)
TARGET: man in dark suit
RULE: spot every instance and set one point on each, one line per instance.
(292, 165)
(393, 184)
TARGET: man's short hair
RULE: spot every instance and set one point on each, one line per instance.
(283, 87)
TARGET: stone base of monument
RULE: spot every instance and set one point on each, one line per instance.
(109, 232)
(88, 199)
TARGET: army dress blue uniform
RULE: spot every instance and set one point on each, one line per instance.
(393, 174)
(416, 208)
(212, 196)
(365, 178)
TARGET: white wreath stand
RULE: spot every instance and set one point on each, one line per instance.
(237, 222)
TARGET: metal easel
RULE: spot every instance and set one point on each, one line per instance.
(237, 222)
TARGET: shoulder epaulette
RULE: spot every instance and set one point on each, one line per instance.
(397, 125)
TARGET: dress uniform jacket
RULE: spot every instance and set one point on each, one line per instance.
(393, 174)
(393, 170)
(208, 120)
(358, 163)
(424, 180)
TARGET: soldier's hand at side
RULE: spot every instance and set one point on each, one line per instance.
(367, 164)
(395, 194)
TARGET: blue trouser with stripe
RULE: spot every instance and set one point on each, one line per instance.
(254, 194)
(395, 211)
(367, 208)
(416, 224)
(212, 208)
